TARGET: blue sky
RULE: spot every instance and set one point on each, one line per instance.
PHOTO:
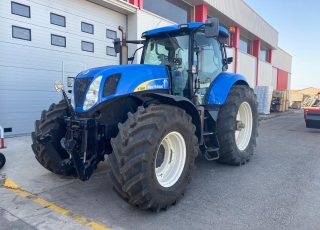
(297, 22)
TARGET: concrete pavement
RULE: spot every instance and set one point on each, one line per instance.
(278, 189)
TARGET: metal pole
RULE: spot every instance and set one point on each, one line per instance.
(2, 138)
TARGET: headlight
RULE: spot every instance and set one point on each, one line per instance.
(92, 94)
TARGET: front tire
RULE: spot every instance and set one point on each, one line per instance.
(2, 160)
(153, 156)
(237, 126)
(52, 123)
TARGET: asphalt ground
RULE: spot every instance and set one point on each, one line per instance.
(279, 188)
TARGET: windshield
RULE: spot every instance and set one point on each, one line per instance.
(171, 51)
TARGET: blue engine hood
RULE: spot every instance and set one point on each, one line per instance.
(133, 78)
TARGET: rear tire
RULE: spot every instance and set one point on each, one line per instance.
(140, 157)
(236, 143)
(52, 123)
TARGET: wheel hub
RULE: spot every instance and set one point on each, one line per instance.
(240, 125)
(170, 160)
(244, 125)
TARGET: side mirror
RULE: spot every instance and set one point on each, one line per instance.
(230, 60)
(211, 28)
(227, 61)
(117, 45)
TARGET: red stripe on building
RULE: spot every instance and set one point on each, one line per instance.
(2, 143)
(138, 3)
(235, 42)
(282, 80)
(269, 56)
(200, 13)
(256, 53)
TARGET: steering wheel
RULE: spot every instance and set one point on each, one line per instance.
(162, 57)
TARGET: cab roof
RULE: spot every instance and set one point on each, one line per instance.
(223, 32)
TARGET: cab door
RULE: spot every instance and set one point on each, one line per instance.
(209, 63)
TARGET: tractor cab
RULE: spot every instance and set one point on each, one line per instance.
(193, 53)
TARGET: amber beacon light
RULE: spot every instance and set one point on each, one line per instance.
(232, 30)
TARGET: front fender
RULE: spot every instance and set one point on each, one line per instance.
(183, 103)
(221, 86)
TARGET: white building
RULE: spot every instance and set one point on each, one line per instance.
(45, 40)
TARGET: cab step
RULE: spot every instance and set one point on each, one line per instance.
(212, 153)
(208, 133)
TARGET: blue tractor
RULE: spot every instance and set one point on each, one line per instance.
(154, 118)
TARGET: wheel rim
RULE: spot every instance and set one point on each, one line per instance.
(244, 126)
(170, 160)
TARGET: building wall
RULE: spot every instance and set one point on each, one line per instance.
(247, 67)
(29, 68)
(140, 22)
(265, 74)
(282, 60)
(274, 77)
(238, 13)
(248, 19)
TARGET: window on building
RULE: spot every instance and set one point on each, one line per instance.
(86, 27)
(21, 33)
(111, 51)
(87, 46)
(176, 11)
(57, 40)
(20, 9)
(57, 20)
(263, 54)
(111, 34)
(245, 45)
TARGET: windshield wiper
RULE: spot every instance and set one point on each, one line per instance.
(174, 41)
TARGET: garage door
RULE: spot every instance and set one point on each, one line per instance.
(42, 41)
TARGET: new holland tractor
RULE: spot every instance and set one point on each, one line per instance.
(151, 120)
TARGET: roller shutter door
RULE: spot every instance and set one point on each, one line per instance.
(42, 41)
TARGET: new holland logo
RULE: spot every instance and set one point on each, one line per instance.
(153, 84)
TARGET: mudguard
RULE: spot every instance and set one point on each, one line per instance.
(221, 86)
(183, 103)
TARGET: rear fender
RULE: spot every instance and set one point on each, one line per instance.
(221, 86)
(183, 103)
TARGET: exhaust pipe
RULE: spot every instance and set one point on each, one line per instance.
(124, 48)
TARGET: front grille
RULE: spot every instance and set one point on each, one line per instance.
(110, 85)
(81, 86)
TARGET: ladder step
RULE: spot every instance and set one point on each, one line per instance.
(212, 149)
(212, 153)
(207, 133)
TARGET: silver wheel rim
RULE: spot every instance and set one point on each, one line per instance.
(244, 126)
(170, 169)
